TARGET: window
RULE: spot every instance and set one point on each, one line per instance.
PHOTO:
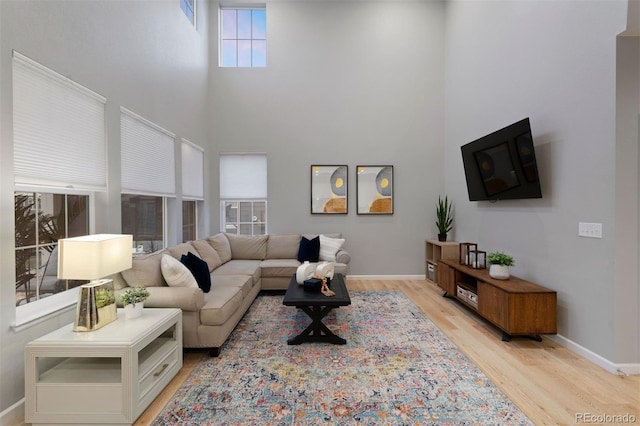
(243, 37)
(148, 178)
(143, 217)
(243, 193)
(58, 142)
(189, 9)
(41, 219)
(189, 221)
(192, 188)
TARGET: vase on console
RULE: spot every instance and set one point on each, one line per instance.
(133, 310)
(499, 272)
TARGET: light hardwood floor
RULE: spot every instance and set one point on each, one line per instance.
(551, 384)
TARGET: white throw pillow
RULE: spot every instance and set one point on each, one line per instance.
(175, 273)
(329, 247)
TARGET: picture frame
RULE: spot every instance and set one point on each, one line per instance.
(329, 189)
(374, 189)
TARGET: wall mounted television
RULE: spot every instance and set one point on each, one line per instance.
(502, 165)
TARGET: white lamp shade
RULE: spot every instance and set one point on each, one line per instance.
(92, 257)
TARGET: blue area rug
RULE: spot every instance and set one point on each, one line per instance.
(397, 368)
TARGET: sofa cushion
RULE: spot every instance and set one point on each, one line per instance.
(253, 247)
(240, 267)
(279, 267)
(221, 244)
(199, 269)
(145, 271)
(175, 273)
(243, 282)
(207, 253)
(180, 249)
(220, 305)
(283, 246)
(309, 249)
(329, 247)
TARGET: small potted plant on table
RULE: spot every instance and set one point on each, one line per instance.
(133, 301)
(500, 263)
(444, 218)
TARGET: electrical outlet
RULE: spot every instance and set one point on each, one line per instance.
(590, 230)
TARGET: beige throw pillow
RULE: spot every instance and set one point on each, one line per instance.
(329, 247)
(175, 273)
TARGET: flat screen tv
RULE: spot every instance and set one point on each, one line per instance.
(502, 165)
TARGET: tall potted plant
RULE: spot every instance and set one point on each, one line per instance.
(444, 217)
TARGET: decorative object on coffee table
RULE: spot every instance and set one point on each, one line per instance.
(329, 189)
(500, 263)
(93, 257)
(133, 301)
(444, 217)
(305, 271)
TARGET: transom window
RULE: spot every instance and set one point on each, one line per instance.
(189, 9)
(243, 37)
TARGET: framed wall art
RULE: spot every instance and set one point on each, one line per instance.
(329, 190)
(374, 188)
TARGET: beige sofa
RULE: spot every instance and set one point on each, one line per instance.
(239, 267)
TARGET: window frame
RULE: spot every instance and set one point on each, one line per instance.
(239, 223)
(165, 213)
(196, 221)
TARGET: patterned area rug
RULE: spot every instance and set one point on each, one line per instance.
(397, 368)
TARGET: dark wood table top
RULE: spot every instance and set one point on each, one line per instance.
(297, 296)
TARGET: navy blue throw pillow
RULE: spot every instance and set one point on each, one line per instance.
(199, 269)
(309, 250)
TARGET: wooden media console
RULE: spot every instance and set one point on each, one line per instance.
(515, 306)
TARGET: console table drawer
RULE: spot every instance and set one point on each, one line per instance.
(54, 398)
(159, 371)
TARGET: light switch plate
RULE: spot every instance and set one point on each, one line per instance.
(590, 230)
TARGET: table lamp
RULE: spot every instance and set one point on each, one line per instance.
(93, 257)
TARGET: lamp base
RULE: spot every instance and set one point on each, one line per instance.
(96, 305)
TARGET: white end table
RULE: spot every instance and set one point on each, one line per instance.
(109, 375)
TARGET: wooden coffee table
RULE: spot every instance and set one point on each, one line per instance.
(317, 306)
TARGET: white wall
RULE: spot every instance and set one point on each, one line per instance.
(350, 83)
(554, 62)
(145, 56)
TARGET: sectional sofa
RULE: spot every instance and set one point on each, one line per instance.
(237, 267)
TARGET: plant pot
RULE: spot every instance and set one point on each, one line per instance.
(133, 311)
(499, 272)
(442, 237)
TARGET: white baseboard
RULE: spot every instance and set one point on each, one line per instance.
(386, 277)
(613, 368)
(13, 415)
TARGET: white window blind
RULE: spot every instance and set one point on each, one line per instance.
(243, 176)
(147, 157)
(58, 129)
(192, 171)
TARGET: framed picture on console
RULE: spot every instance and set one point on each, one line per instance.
(374, 189)
(329, 189)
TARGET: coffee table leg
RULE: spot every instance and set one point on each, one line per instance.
(316, 331)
